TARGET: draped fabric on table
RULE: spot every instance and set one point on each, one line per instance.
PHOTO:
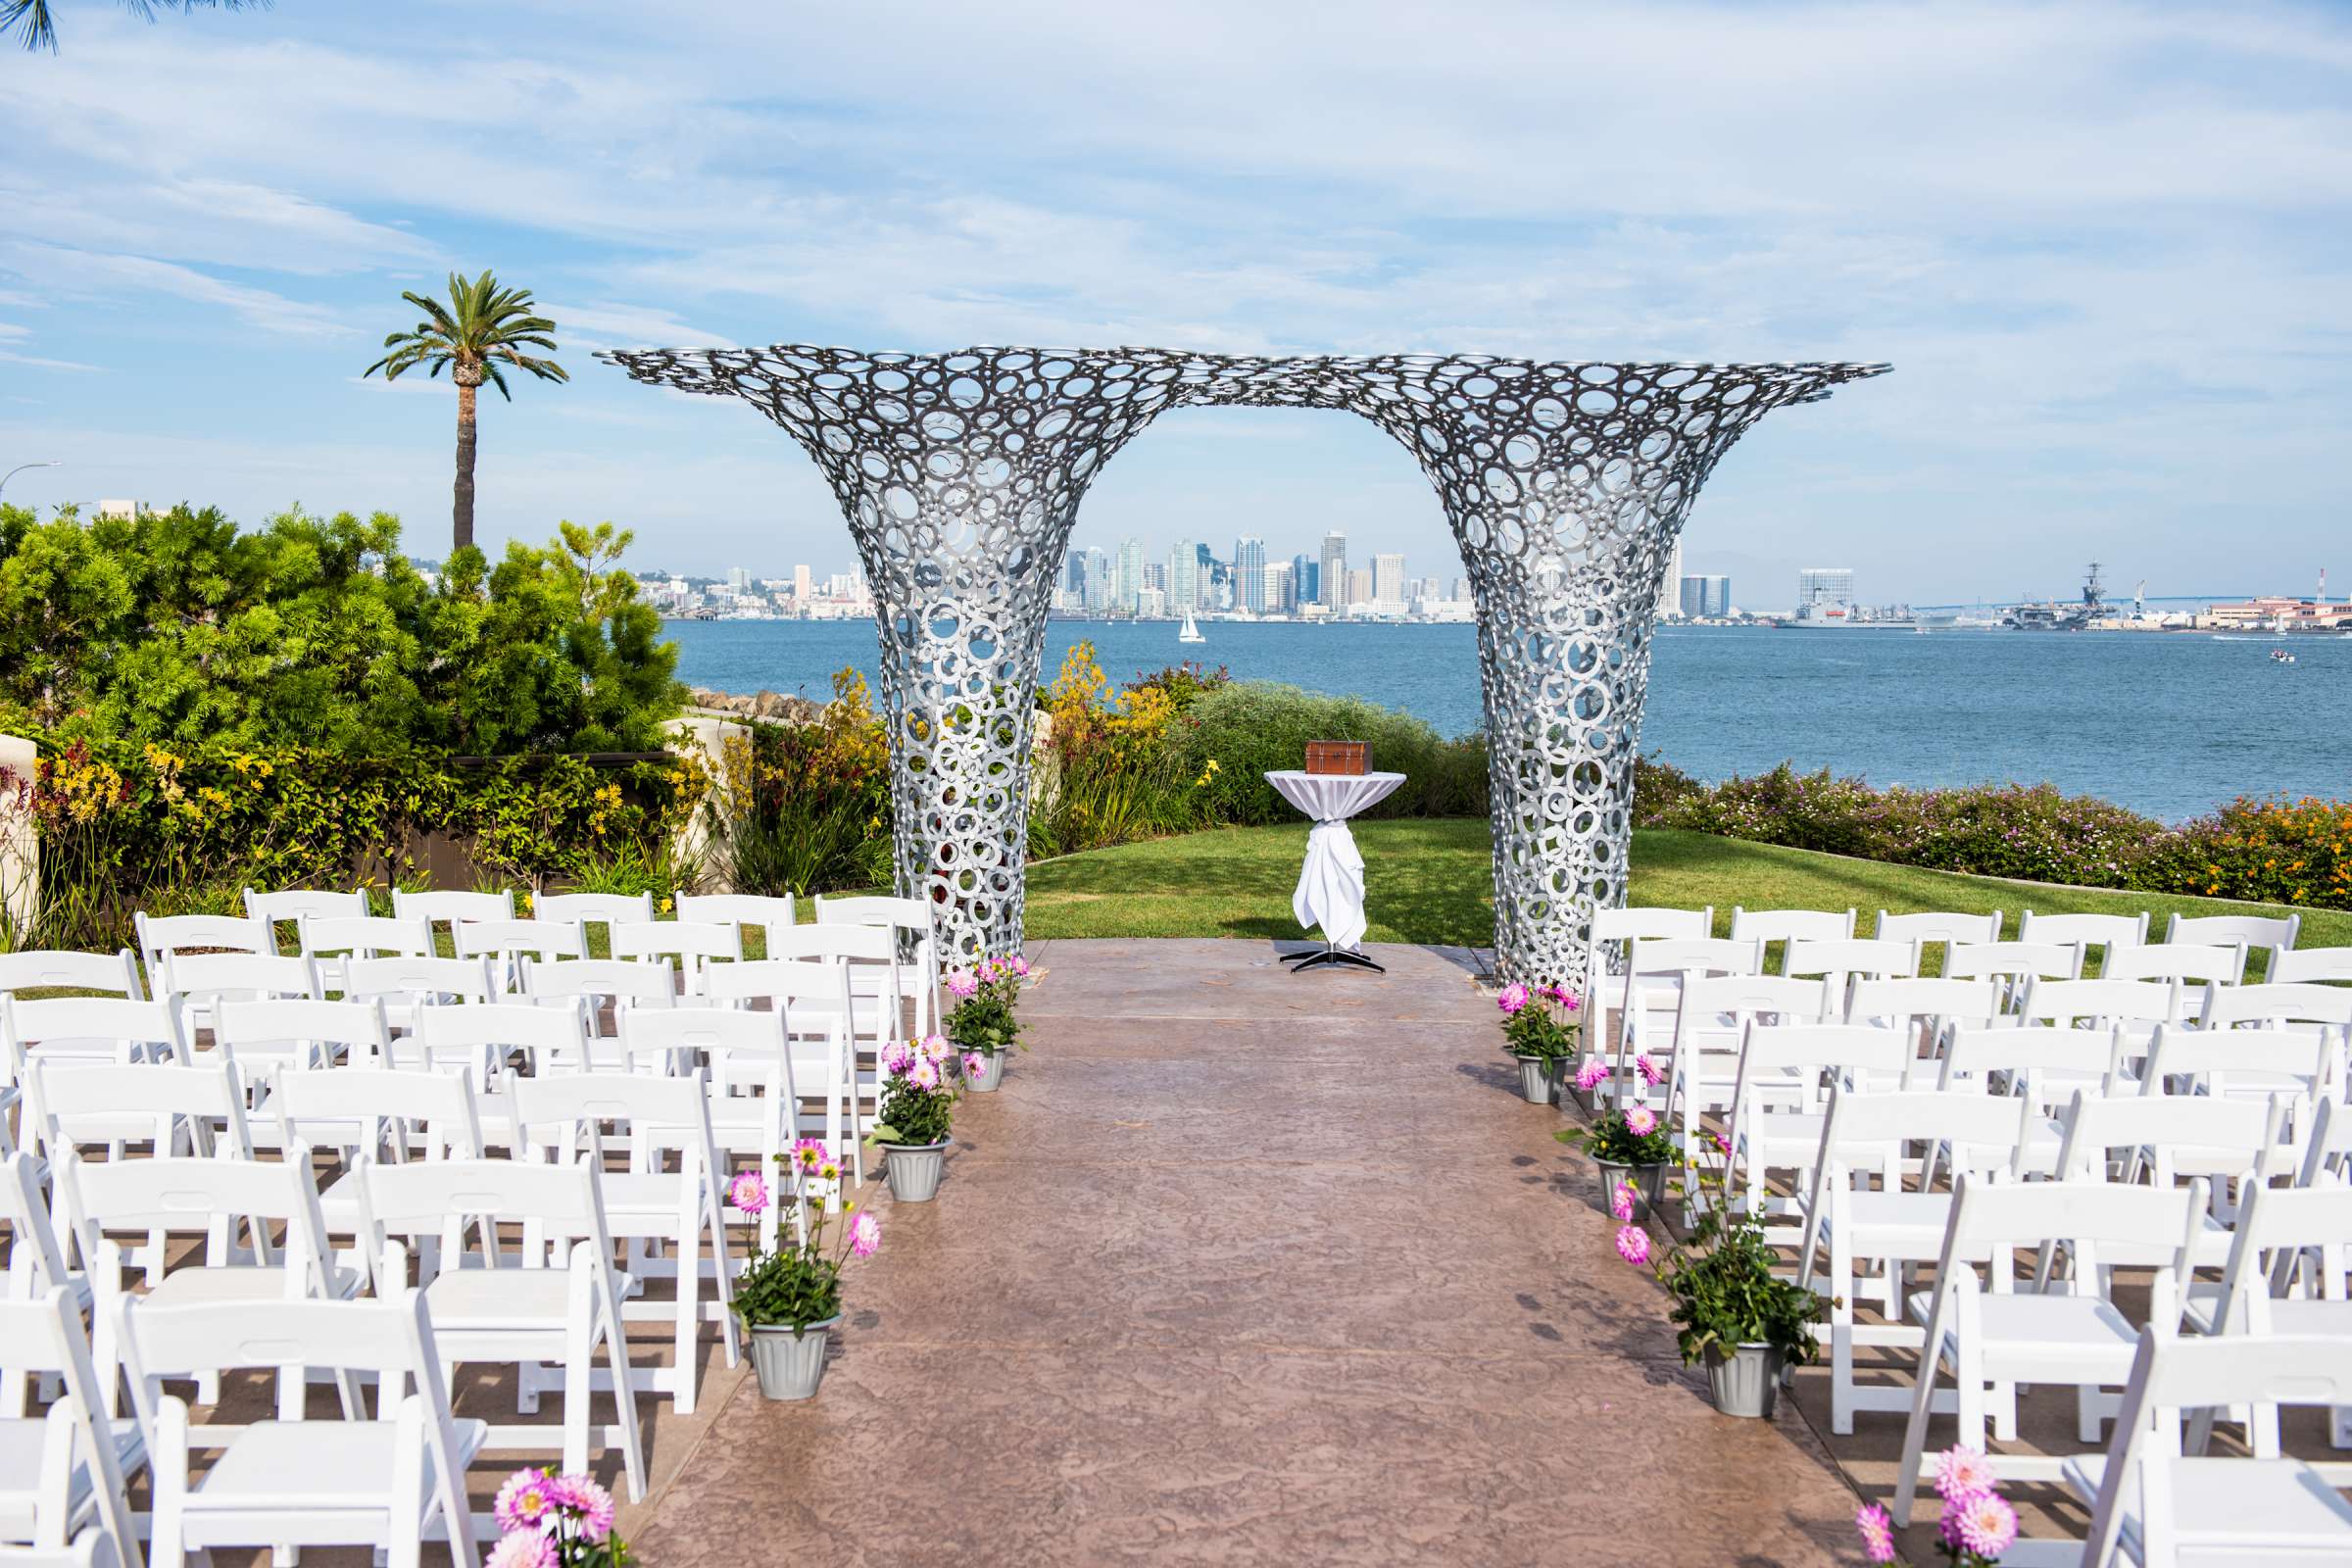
(960, 475)
(1331, 884)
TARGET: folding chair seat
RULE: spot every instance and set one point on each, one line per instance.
(93, 1549)
(65, 1471)
(1893, 1225)
(590, 910)
(557, 1306)
(405, 985)
(746, 912)
(2154, 1504)
(695, 948)
(1781, 1099)
(389, 1483)
(2037, 1330)
(557, 1118)
(910, 921)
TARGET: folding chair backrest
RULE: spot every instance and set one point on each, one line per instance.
(2101, 1220)
(367, 936)
(350, 1109)
(2102, 1002)
(440, 906)
(564, 1197)
(768, 914)
(486, 1032)
(161, 936)
(1824, 1048)
(112, 974)
(1841, 959)
(181, 1194)
(2030, 1054)
(2266, 1062)
(744, 1048)
(1977, 1132)
(661, 1112)
(358, 1027)
(2255, 932)
(1613, 930)
(2014, 961)
(1791, 925)
(585, 909)
(2220, 964)
(213, 977)
(2241, 1132)
(1693, 956)
(1726, 1002)
(862, 944)
(1950, 929)
(293, 906)
(642, 982)
(403, 980)
(64, 1100)
(380, 1336)
(2311, 965)
(808, 982)
(2281, 1232)
(90, 1023)
(681, 939)
(513, 939)
(43, 1334)
(911, 916)
(2106, 932)
(1902, 1001)
(2273, 1006)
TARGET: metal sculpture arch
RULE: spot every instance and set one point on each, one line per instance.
(960, 475)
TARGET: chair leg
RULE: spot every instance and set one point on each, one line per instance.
(1842, 1348)
(688, 1336)
(579, 1347)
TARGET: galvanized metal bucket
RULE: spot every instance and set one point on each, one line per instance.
(913, 1170)
(1538, 1078)
(790, 1361)
(1747, 1382)
(1647, 1181)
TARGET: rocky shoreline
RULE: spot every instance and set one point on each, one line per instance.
(775, 706)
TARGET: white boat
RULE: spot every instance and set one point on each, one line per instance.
(1191, 630)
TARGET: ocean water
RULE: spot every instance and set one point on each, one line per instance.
(2171, 725)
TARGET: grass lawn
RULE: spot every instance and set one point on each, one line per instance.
(1432, 882)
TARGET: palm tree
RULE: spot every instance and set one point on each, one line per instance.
(481, 326)
(31, 17)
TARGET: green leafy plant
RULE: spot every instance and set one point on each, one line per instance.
(798, 1285)
(1540, 1022)
(920, 1085)
(983, 1018)
(1633, 1136)
(1726, 1293)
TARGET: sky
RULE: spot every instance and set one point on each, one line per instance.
(2103, 246)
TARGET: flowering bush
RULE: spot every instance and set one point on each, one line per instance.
(1633, 1136)
(1977, 1524)
(920, 1084)
(1721, 1281)
(798, 1284)
(1539, 1021)
(555, 1521)
(981, 1018)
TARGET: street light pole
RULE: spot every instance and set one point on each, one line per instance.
(21, 467)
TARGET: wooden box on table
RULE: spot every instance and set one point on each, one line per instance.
(1338, 757)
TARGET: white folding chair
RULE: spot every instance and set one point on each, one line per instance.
(389, 1483)
(1608, 941)
(1656, 972)
(767, 914)
(451, 909)
(649, 1202)
(507, 943)
(2044, 1065)
(2305, 1007)
(484, 1039)
(301, 1034)
(1777, 928)
(755, 1105)
(2255, 933)
(2230, 1145)
(405, 985)
(197, 1109)
(1948, 929)
(1710, 1021)
(1866, 1136)
(197, 983)
(585, 909)
(2307, 965)
(2013, 966)
(293, 906)
(867, 958)
(912, 921)
(2286, 1274)
(1843, 961)
(1922, 1011)
(332, 941)
(2302, 1068)
(162, 936)
(107, 974)
(36, 1265)
(2135, 1007)
(2034, 1329)
(1779, 1102)
(375, 1113)
(86, 1029)
(812, 1002)
(695, 946)
(2104, 932)
(66, 1471)
(556, 1308)
(2154, 1506)
(596, 984)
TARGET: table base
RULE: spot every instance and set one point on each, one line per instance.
(1316, 957)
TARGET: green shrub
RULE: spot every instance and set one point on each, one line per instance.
(1250, 728)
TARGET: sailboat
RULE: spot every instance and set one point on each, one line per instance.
(1191, 630)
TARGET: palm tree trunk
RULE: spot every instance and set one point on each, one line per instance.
(462, 532)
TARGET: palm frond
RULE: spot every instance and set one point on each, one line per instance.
(37, 29)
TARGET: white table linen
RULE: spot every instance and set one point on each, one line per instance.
(1331, 884)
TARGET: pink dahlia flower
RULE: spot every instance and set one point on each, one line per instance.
(1590, 1075)
(897, 1058)
(1632, 1244)
(1983, 1523)
(865, 1235)
(524, 1501)
(936, 1048)
(522, 1548)
(1621, 1201)
(1963, 1472)
(592, 1503)
(1641, 1121)
(925, 1075)
(974, 1064)
(1020, 965)
(1513, 998)
(809, 1154)
(1877, 1532)
(748, 1191)
(1651, 1071)
(962, 983)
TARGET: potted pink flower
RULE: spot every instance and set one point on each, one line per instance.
(548, 1520)
(921, 1081)
(981, 1022)
(1539, 1028)
(1978, 1524)
(1632, 1148)
(790, 1298)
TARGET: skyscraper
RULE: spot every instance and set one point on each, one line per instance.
(1184, 579)
(1306, 576)
(1332, 575)
(1278, 588)
(1090, 576)
(1704, 596)
(1388, 581)
(1129, 587)
(1825, 585)
(1249, 573)
(801, 585)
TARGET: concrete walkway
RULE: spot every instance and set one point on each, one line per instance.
(1243, 1267)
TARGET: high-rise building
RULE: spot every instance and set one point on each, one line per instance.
(1090, 578)
(1306, 575)
(1332, 574)
(1127, 593)
(1825, 585)
(1155, 577)
(803, 585)
(1461, 590)
(1709, 597)
(1277, 589)
(1184, 577)
(1249, 573)
(1359, 587)
(1388, 581)
(738, 579)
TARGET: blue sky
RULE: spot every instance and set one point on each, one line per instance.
(2105, 248)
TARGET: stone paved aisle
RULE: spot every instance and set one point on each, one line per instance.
(1243, 1267)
